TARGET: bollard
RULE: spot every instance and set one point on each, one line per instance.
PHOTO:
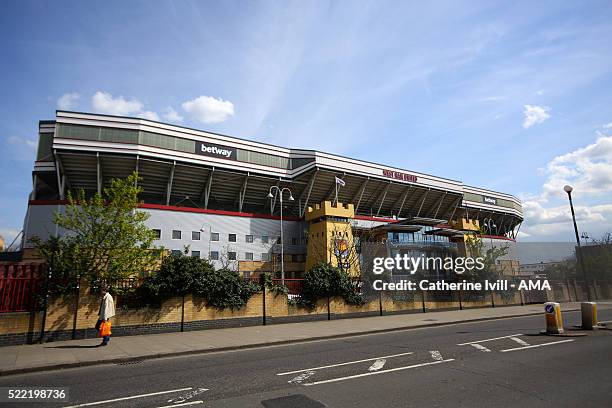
(589, 315)
(554, 321)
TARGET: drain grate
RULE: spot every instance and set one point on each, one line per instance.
(130, 362)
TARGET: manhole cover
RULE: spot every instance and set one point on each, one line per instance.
(292, 401)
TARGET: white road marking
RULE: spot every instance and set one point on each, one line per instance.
(347, 363)
(537, 345)
(183, 405)
(301, 377)
(128, 398)
(435, 354)
(480, 347)
(379, 372)
(485, 340)
(519, 341)
(188, 396)
(378, 364)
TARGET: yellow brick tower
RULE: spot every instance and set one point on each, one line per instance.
(330, 236)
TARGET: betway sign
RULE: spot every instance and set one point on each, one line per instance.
(222, 152)
(489, 200)
(400, 176)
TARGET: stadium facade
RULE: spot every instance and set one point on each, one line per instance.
(208, 192)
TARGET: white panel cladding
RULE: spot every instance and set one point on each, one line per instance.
(186, 222)
(40, 223)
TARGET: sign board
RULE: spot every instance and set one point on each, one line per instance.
(398, 175)
(214, 150)
(549, 308)
(489, 200)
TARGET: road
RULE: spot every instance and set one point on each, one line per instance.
(499, 363)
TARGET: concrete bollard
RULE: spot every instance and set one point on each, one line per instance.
(589, 315)
(554, 321)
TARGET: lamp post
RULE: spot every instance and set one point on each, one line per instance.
(209, 238)
(280, 192)
(488, 222)
(568, 189)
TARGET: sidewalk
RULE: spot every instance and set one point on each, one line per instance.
(38, 357)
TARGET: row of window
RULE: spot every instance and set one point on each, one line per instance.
(248, 256)
(214, 236)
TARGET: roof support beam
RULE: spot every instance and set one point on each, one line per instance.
(206, 190)
(136, 169)
(401, 207)
(307, 192)
(273, 200)
(439, 204)
(422, 202)
(61, 178)
(382, 200)
(170, 180)
(454, 207)
(360, 194)
(242, 193)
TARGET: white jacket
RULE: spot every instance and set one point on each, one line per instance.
(107, 307)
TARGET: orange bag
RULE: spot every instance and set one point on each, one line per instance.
(105, 329)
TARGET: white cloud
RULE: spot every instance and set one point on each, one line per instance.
(208, 109)
(148, 115)
(103, 102)
(9, 235)
(607, 126)
(171, 115)
(534, 115)
(67, 100)
(587, 169)
(16, 140)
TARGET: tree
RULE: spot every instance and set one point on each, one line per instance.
(107, 239)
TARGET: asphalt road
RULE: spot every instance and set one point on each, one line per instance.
(500, 363)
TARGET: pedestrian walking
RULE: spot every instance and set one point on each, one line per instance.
(107, 310)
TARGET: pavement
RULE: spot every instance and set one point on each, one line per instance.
(74, 353)
(491, 363)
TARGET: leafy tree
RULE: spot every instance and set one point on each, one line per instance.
(325, 280)
(107, 239)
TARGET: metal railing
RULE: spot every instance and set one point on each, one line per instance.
(19, 286)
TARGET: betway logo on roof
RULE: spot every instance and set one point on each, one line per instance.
(212, 150)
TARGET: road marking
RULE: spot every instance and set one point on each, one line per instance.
(183, 405)
(188, 396)
(300, 378)
(435, 354)
(128, 398)
(378, 364)
(378, 372)
(537, 345)
(485, 340)
(347, 363)
(519, 341)
(480, 347)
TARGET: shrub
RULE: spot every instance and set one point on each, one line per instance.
(325, 280)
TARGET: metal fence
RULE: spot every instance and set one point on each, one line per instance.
(19, 286)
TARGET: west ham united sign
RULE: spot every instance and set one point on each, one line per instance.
(213, 150)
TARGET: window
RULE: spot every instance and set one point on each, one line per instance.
(278, 240)
(265, 257)
(249, 239)
(195, 254)
(231, 256)
(157, 233)
(246, 274)
(195, 235)
(176, 252)
(264, 239)
(214, 236)
(231, 237)
(294, 241)
(214, 255)
(176, 234)
(248, 256)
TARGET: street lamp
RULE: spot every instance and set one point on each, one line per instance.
(488, 222)
(209, 237)
(568, 190)
(280, 192)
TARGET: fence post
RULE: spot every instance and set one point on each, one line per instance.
(262, 279)
(46, 304)
(328, 310)
(423, 301)
(460, 302)
(183, 313)
(380, 302)
(492, 300)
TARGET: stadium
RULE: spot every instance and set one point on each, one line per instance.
(208, 195)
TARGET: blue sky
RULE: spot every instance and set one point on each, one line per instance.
(511, 96)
